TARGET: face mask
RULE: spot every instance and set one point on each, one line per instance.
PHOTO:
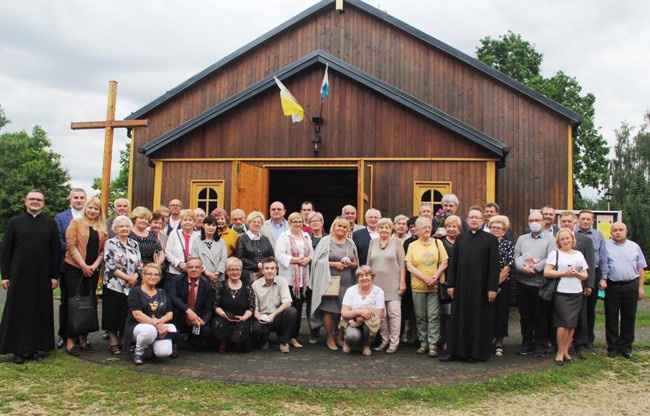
(535, 227)
(238, 227)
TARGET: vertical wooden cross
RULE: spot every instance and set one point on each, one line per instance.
(109, 125)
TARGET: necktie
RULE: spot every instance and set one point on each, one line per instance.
(191, 300)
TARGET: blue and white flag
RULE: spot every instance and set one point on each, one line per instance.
(325, 87)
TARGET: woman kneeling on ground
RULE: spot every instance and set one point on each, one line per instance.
(150, 311)
(363, 308)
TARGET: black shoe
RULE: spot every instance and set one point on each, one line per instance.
(525, 350)
(18, 359)
(74, 351)
(61, 343)
(611, 354)
(540, 352)
(446, 358)
(582, 354)
(105, 336)
(627, 355)
(591, 348)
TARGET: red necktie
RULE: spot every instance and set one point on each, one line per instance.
(191, 300)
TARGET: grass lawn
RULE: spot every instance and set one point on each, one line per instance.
(64, 385)
(642, 317)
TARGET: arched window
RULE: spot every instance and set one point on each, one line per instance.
(425, 192)
(207, 195)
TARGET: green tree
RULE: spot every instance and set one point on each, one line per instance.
(3, 118)
(29, 163)
(518, 59)
(630, 180)
(119, 185)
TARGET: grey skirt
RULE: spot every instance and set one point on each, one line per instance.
(566, 309)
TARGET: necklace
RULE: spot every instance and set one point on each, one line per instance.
(234, 291)
(383, 244)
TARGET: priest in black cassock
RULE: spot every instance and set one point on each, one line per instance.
(472, 282)
(30, 266)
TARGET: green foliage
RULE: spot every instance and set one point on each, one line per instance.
(120, 185)
(630, 180)
(29, 163)
(3, 118)
(518, 59)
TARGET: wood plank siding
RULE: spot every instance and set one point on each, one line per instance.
(360, 124)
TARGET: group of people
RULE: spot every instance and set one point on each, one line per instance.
(178, 277)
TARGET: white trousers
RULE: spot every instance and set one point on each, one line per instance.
(146, 334)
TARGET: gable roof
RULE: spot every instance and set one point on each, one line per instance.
(573, 117)
(321, 58)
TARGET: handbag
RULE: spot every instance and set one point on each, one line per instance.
(443, 295)
(82, 315)
(334, 287)
(549, 287)
(335, 284)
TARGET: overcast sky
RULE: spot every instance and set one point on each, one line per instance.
(57, 56)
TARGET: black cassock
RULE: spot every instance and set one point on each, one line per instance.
(30, 259)
(473, 271)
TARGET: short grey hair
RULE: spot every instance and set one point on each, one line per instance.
(370, 210)
(253, 215)
(119, 220)
(400, 217)
(423, 221)
(450, 198)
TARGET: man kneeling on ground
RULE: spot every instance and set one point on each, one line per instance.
(273, 310)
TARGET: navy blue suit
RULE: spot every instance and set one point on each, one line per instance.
(362, 239)
(63, 220)
(203, 307)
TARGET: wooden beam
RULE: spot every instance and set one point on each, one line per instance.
(83, 125)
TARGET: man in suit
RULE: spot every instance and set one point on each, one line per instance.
(77, 198)
(363, 236)
(275, 225)
(350, 213)
(583, 245)
(193, 311)
(121, 206)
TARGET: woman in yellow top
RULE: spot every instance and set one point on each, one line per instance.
(426, 259)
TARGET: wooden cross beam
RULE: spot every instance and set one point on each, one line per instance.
(109, 126)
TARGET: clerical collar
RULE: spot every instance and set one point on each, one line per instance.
(77, 214)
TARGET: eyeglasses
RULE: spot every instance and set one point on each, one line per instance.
(277, 209)
(497, 228)
(35, 199)
(234, 269)
(296, 222)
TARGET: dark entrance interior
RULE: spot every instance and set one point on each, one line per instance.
(328, 189)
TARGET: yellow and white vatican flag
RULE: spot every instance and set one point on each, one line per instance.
(289, 103)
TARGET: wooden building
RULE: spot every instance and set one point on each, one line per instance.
(408, 119)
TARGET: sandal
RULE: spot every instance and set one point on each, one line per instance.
(115, 349)
(367, 352)
(346, 348)
(498, 352)
(73, 351)
(137, 360)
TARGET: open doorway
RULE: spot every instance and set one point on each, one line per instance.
(328, 189)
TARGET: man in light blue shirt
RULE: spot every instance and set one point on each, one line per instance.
(623, 289)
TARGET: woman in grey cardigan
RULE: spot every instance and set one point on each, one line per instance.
(211, 249)
(335, 256)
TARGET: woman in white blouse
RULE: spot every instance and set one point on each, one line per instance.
(178, 248)
(570, 267)
(363, 308)
(293, 250)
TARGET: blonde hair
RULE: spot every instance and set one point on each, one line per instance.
(564, 231)
(100, 222)
(187, 213)
(454, 219)
(501, 219)
(385, 221)
(294, 216)
(340, 220)
(141, 212)
(152, 266)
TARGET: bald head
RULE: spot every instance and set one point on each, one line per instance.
(619, 232)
